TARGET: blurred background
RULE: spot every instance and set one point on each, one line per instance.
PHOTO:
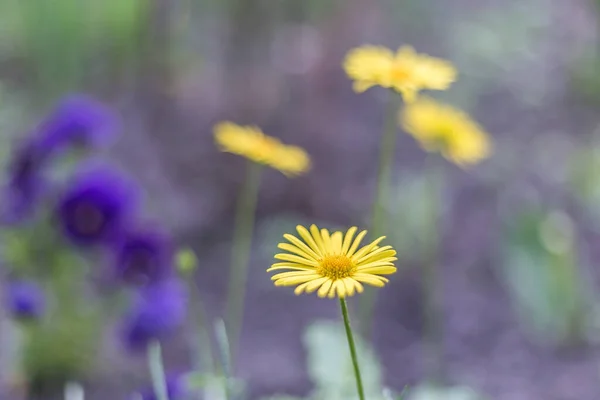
(519, 232)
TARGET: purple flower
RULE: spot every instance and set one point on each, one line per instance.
(144, 255)
(78, 121)
(25, 300)
(159, 309)
(175, 389)
(25, 183)
(96, 206)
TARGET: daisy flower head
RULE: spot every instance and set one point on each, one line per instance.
(441, 127)
(252, 143)
(405, 71)
(332, 264)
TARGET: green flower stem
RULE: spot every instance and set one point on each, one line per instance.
(242, 240)
(359, 385)
(386, 163)
(203, 355)
(157, 372)
(432, 331)
(224, 347)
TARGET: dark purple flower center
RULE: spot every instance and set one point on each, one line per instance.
(88, 219)
(140, 263)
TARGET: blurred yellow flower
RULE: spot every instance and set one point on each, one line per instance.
(252, 143)
(407, 71)
(443, 128)
(332, 263)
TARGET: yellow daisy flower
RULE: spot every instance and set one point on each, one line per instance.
(443, 128)
(252, 143)
(407, 71)
(332, 263)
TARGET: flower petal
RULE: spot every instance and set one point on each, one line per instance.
(290, 274)
(326, 241)
(348, 239)
(301, 245)
(377, 251)
(373, 280)
(306, 235)
(295, 280)
(317, 237)
(366, 249)
(296, 259)
(356, 243)
(324, 289)
(336, 242)
(293, 249)
(291, 268)
(381, 270)
(362, 267)
(314, 285)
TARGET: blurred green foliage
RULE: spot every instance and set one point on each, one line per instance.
(543, 272)
(65, 41)
(61, 350)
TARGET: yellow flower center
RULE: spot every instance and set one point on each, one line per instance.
(336, 267)
(400, 72)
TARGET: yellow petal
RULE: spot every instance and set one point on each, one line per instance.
(361, 86)
(306, 235)
(366, 249)
(301, 245)
(359, 286)
(314, 285)
(336, 242)
(324, 289)
(291, 268)
(293, 249)
(383, 270)
(349, 284)
(326, 240)
(317, 237)
(333, 289)
(296, 259)
(348, 239)
(370, 279)
(295, 280)
(372, 264)
(356, 243)
(291, 274)
(375, 252)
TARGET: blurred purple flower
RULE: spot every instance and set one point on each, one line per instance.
(160, 308)
(145, 255)
(96, 206)
(78, 120)
(25, 183)
(175, 389)
(25, 300)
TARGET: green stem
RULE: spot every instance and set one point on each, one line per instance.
(157, 372)
(203, 355)
(432, 330)
(238, 273)
(359, 385)
(386, 163)
(224, 346)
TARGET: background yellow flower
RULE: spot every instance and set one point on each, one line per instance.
(252, 143)
(407, 71)
(443, 128)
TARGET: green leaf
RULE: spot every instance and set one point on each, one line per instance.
(330, 365)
